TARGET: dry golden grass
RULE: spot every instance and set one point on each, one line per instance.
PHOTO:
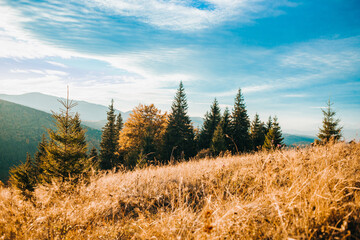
(292, 194)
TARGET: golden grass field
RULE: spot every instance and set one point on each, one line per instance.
(310, 193)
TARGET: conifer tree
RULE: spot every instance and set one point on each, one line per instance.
(94, 158)
(118, 127)
(211, 121)
(218, 143)
(179, 134)
(330, 128)
(66, 152)
(268, 125)
(226, 128)
(109, 141)
(23, 178)
(240, 125)
(274, 139)
(39, 159)
(257, 133)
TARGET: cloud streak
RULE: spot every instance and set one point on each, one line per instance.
(184, 15)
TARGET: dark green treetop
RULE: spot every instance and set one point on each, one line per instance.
(274, 139)
(218, 143)
(179, 134)
(257, 133)
(330, 128)
(211, 121)
(109, 141)
(66, 152)
(240, 125)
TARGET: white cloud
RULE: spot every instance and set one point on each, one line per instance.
(181, 15)
(57, 64)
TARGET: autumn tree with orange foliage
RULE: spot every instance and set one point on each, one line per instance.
(141, 139)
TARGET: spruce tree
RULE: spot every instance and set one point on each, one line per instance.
(94, 158)
(274, 139)
(226, 128)
(109, 141)
(268, 125)
(66, 152)
(330, 128)
(257, 133)
(23, 176)
(118, 127)
(39, 159)
(218, 143)
(211, 121)
(179, 135)
(240, 125)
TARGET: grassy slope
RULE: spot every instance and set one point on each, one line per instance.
(307, 193)
(21, 129)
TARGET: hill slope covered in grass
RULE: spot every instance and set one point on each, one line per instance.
(21, 130)
(308, 193)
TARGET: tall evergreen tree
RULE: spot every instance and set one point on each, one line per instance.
(226, 128)
(66, 152)
(179, 135)
(118, 127)
(211, 121)
(109, 141)
(218, 143)
(274, 139)
(257, 133)
(240, 125)
(330, 128)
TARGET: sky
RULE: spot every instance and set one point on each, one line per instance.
(288, 57)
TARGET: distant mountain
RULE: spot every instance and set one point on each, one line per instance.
(21, 129)
(290, 139)
(88, 111)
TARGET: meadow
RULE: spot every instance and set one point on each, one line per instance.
(306, 193)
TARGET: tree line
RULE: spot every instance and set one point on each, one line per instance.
(148, 137)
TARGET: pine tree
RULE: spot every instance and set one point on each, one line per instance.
(226, 128)
(330, 128)
(66, 152)
(240, 125)
(23, 178)
(268, 125)
(274, 139)
(179, 135)
(211, 121)
(94, 158)
(218, 143)
(257, 133)
(109, 141)
(118, 127)
(39, 159)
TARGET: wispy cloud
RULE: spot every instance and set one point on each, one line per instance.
(186, 16)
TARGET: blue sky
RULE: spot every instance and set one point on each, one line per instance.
(288, 57)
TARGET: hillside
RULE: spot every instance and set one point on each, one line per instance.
(21, 129)
(46, 103)
(311, 193)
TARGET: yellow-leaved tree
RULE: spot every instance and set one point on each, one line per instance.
(141, 139)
